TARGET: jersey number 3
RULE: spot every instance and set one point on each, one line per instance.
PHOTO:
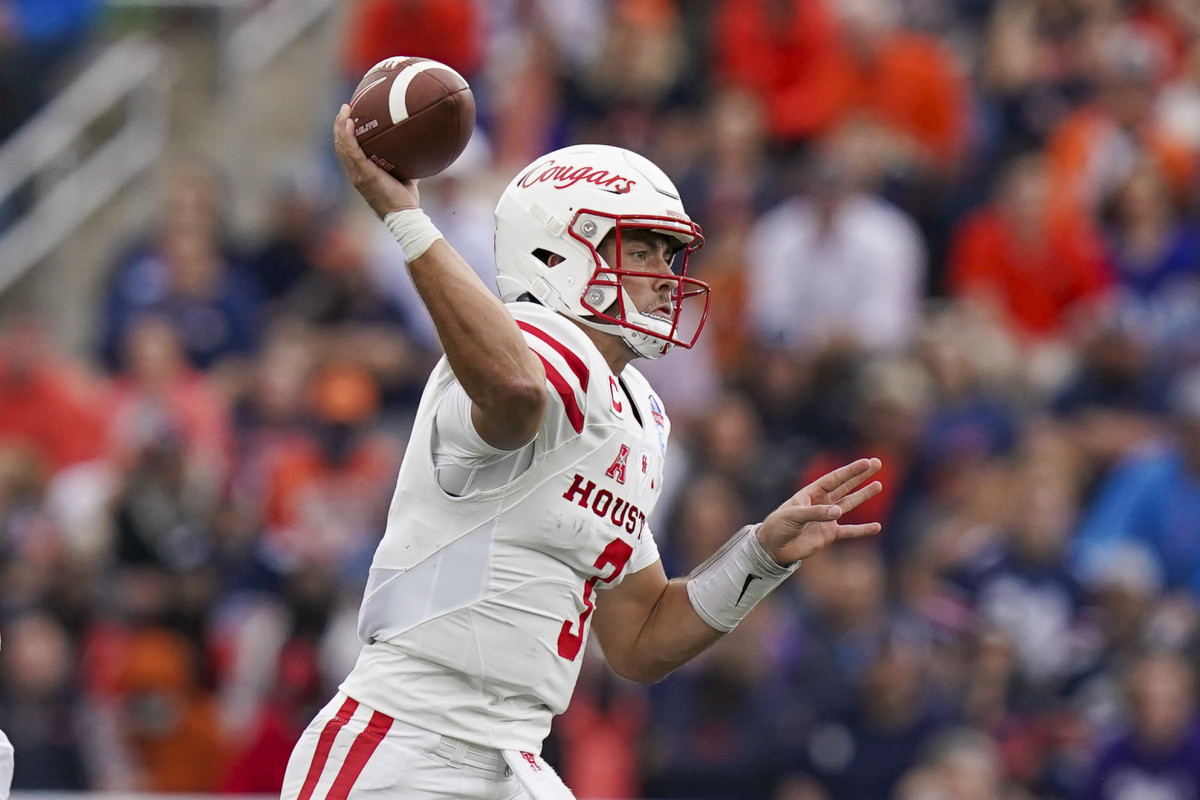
(616, 554)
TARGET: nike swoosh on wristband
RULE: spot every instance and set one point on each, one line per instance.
(745, 586)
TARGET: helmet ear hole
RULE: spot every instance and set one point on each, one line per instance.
(548, 257)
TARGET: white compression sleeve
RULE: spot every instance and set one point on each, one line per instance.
(413, 230)
(734, 579)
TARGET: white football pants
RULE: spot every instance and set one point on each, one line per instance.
(350, 750)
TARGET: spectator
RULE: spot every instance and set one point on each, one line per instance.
(837, 625)
(1024, 262)
(1114, 402)
(1021, 587)
(642, 68)
(142, 676)
(885, 411)
(1034, 70)
(857, 60)
(861, 752)
(1125, 592)
(1154, 248)
(448, 31)
(600, 734)
(730, 441)
(47, 403)
(531, 46)
(167, 716)
(715, 726)
(327, 493)
(806, 253)
(259, 752)
(159, 397)
(958, 764)
(301, 211)
(184, 271)
(1158, 750)
(973, 417)
(357, 318)
(1153, 498)
(208, 300)
(39, 705)
(38, 40)
(757, 46)
(911, 83)
(1094, 148)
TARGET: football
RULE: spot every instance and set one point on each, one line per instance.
(412, 116)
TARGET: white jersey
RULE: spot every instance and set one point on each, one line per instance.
(477, 607)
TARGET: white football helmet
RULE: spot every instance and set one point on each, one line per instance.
(555, 213)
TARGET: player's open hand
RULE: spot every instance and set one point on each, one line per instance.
(383, 193)
(809, 519)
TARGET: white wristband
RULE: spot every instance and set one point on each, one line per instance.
(413, 230)
(734, 579)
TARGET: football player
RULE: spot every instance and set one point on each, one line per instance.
(519, 517)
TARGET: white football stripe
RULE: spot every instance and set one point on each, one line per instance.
(397, 106)
(369, 86)
(390, 63)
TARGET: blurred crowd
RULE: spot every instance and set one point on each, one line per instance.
(959, 235)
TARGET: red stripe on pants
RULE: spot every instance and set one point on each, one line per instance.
(364, 745)
(328, 734)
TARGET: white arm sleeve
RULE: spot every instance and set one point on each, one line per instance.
(463, 461)
(734, 579)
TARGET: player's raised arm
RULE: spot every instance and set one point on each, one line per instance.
(485, 348)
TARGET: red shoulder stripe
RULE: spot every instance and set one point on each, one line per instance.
(573, 361)
(565, 392)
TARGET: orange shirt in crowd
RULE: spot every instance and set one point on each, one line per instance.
(322, 512)
(1073, 151)
(56, 412)
(167, 721)
(600, 757)
(794, 64)
(195, 411)
(914, 86)
(1034, 282)
(443, 30)
(810, 81)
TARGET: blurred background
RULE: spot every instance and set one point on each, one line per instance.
(960, 235)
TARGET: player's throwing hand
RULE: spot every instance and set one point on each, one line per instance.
(809, 519)
(383, 192)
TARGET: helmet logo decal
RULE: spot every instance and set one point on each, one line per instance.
(564, 176)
